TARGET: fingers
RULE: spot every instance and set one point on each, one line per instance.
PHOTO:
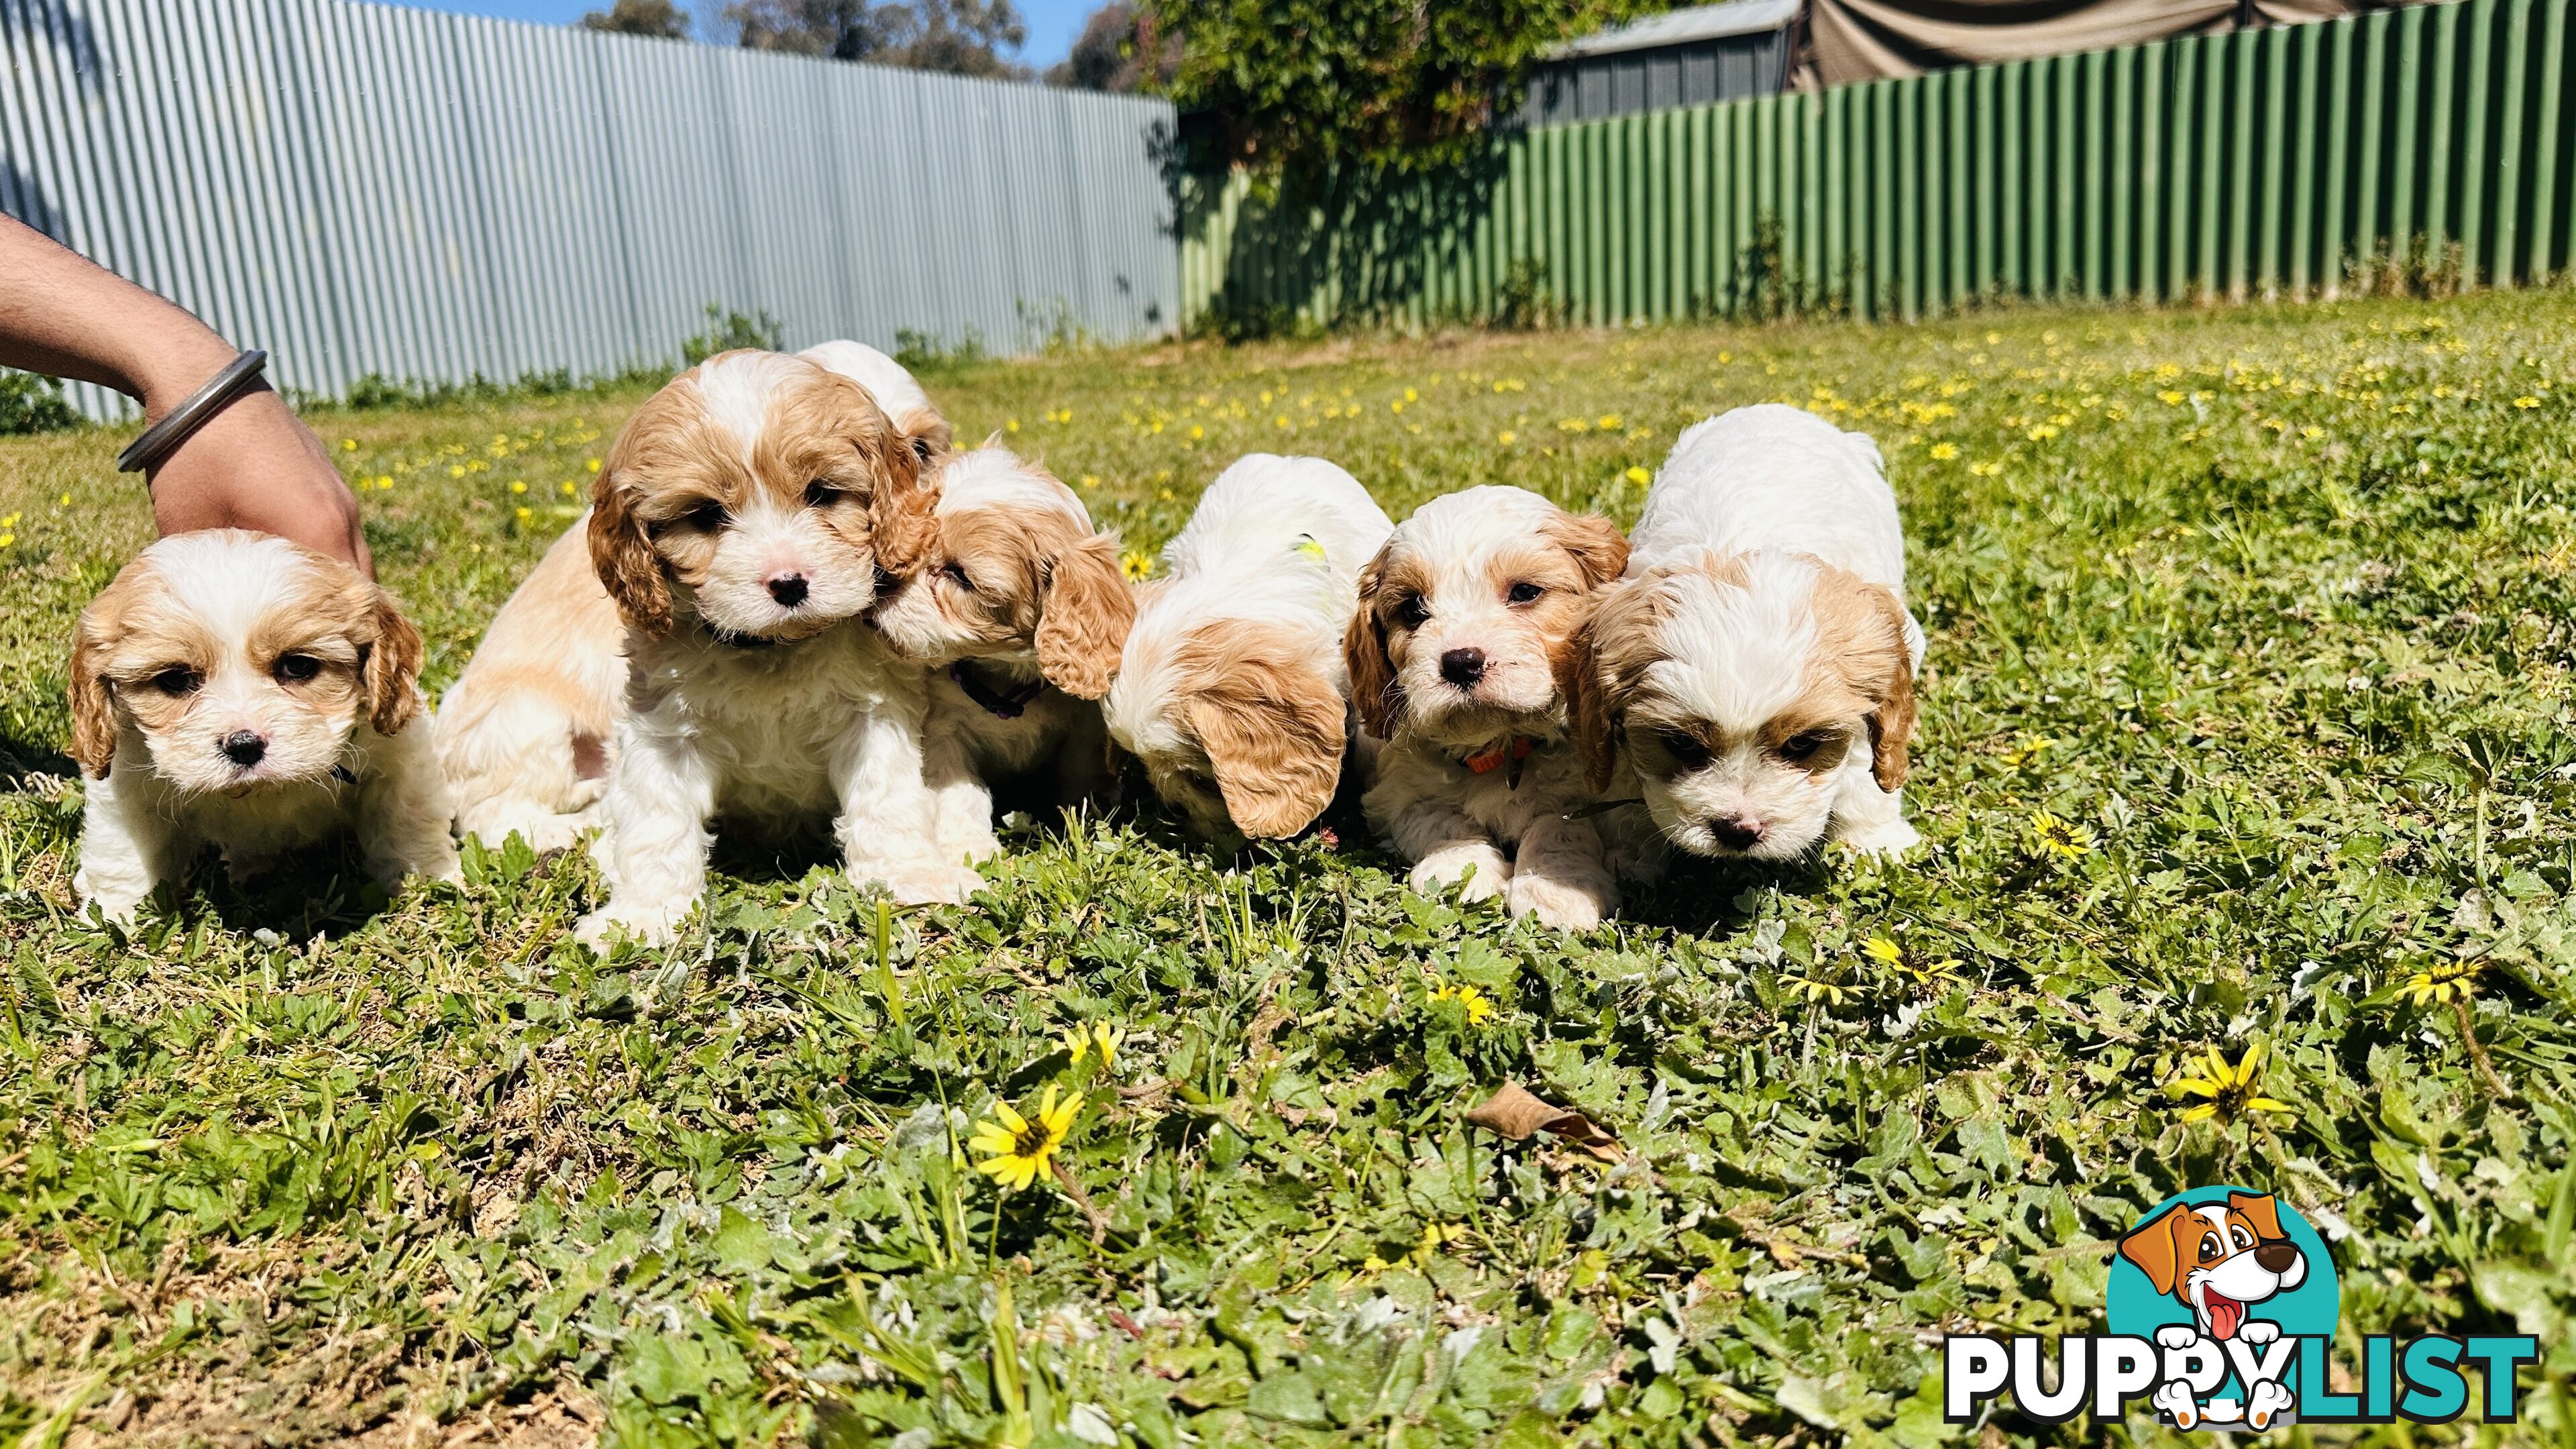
(256, 466)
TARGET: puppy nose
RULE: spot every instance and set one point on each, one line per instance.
(2276, 1257)
(788, 590)
(1463, 667)
(244, 748)
(1736, 832)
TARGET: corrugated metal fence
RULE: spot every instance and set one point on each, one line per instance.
(2431, 143)
(363, 189)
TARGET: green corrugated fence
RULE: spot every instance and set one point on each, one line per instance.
(2428, 145)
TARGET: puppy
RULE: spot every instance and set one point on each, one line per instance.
(1021, 609)
(1464, 622)
(2217, 1258)
(1232, 689)
(749, 514)
(1757, 667)
(238, 690)
(527, 733)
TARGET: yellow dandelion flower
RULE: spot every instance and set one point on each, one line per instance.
(1944, 452)
(2027, 748)
(2312, 432)
(1816, 989)
(1886, 952)
(1471, 1000)
(2526, 402)
(1015, 1148)
(8, 540)
(2228, 1092)
(2054, 835)
(525, 514)
(348, 445)
(2170, 397)
(1411, 396)
(2447, 982)
(1638, 475)
(64, 501)
(1197, 432)
(1136, 565)
(1433, 1236)
(1080, 1041)
(1609, 421)
(518, 486)
(592, 465)
(2042, 433)
(1505, 437)
(1984, 470)
(1010, 425)
(1090, 480)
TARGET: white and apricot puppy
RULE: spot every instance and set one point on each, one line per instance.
(749, 514)
(1756, 670)
(1020, 608)
(527, 733)
(237, 690)
(1231, 689)
(1465, 619)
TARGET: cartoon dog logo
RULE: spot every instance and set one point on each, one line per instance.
(2216, 1259)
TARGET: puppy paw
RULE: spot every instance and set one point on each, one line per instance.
(2177, 1336)
(2175, 1398)
(928, 884)
(646, 927)
(2258, 1331)
(1451, 864)
(1884, 837)
(1566, 907)
(2268, 1401)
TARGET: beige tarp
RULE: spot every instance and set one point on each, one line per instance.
(1859, 40)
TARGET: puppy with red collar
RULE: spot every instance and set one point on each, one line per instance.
(1464, 624)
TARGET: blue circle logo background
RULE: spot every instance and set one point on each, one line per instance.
(2311, 1309)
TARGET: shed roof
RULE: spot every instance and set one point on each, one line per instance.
(1681, 27)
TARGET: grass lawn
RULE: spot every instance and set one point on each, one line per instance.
(2272, 607)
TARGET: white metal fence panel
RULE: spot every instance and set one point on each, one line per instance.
(364, 189)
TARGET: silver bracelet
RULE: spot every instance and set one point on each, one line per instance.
(164, 437)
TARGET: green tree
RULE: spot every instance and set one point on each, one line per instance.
(1312, 83)
(659, 18)
(961, 37)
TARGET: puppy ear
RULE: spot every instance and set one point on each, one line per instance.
(1589, 717)
(1082, 626)
(1891, 723)
(1274, 735)
(1597, 545)
(2151, 1247)
(627, 565)
(93, 701)
(2262, 1210)
(903, 512)
(392, 668)
(1373, 687)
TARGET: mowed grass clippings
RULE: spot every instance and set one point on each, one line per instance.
(2246, 731)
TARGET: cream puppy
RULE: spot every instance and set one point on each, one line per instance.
(1021, 609)
(1232, 689)
(1465, 618)
(1757, 668)
(749, 514)
(234, 689)
(528, 731)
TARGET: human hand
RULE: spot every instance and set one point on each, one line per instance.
(255, 465)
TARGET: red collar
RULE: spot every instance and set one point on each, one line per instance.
(1510, 749)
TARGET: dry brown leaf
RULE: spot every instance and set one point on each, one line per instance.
(1517, 1113)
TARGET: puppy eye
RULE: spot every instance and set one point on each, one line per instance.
(921, 449)
(295, 668)
(1523, 593)
(822, 493)
(1411, 612)
(178, 681)
(1799, 747)
(956, 574)
(706, 517)
(1687, 750)
(2210, 1247)
(2241, 1238)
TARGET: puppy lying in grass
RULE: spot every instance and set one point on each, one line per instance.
(1020, 610)
(1757, 668)
(237, 690)
(1464, 620)
(1231, 689)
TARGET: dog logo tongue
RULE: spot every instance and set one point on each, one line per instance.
(2224, 1314)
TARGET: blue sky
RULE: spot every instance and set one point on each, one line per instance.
(1052, 23)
